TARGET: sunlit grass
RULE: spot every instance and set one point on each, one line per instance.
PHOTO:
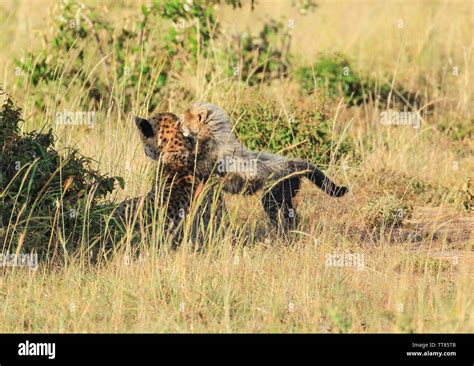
(247, 278)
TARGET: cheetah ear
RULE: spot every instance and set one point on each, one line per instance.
(202, 113)
(145, 127)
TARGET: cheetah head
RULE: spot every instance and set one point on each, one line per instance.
(162, 139)
(205, 121)
(194, 122)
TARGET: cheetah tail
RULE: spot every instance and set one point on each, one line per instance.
(320, 179)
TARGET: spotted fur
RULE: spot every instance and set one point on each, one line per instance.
(179, 188)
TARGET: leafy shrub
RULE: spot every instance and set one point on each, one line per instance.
(42, 189)
(256, 59)
(306, 132)
(336, 77)
(140, 61)
(143, 54)
(457, 130)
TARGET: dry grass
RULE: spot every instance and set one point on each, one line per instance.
(415, 278)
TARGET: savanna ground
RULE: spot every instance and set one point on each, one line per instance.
(407, 220)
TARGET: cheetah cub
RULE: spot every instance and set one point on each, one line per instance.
(279, 176)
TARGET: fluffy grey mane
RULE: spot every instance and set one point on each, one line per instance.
(220, 126)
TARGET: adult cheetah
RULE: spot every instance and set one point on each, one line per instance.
(179, 190)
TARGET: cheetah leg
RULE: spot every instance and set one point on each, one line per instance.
(278, 203)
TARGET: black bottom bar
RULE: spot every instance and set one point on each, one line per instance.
(448, 349)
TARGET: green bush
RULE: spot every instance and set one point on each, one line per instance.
(140, 55)
(257, 59)
(139, 62)
(457, 130)
(306, 132)
(336, 77)
(45, 191)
